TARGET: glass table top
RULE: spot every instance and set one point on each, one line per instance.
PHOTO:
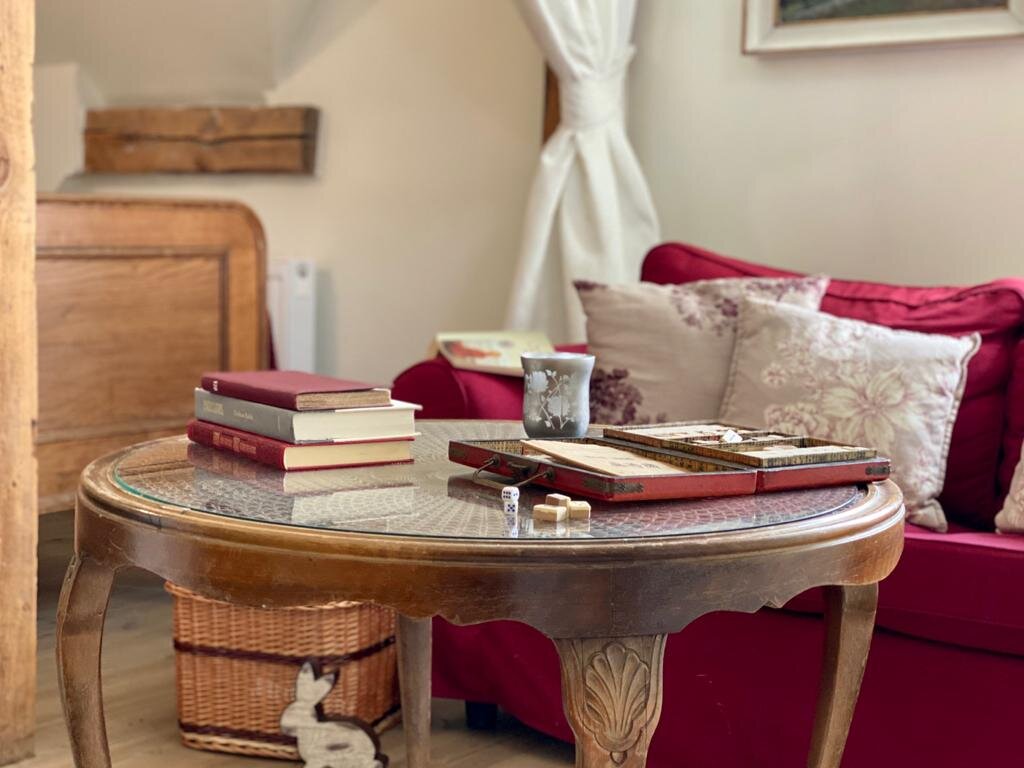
(432, 497)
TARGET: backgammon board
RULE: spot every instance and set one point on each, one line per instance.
(675, 461)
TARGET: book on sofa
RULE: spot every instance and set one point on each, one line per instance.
(496, 352)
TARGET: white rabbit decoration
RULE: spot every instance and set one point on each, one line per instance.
(327, 743)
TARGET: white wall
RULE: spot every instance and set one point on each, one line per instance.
(430, 131)
(896, 165)
(153, 51)
(900, 165)
(61, 95)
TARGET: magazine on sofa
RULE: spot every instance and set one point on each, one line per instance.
(495, 352)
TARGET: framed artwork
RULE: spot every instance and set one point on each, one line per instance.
(781, 26)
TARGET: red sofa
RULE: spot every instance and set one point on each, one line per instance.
(946, 672)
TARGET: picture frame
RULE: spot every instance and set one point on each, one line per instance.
(765, 33)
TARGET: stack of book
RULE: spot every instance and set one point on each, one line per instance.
(294, 420)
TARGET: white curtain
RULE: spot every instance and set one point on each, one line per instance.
(590, 215)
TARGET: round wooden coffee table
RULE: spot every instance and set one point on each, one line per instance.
(428, 541)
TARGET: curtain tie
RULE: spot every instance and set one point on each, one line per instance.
(592, 101)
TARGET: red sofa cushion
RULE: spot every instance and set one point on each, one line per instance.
(456, 394)
(450, 393)
(928, 596)
(986, 441)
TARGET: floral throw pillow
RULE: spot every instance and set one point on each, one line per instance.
(796, 370)
(663, 351)
(1011, 518)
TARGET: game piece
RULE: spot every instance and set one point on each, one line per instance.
(510, 493)
(548, 513)
(557, 500)
(579, 510)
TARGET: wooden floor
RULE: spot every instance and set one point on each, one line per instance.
(138, 671)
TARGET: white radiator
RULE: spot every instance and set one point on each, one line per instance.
(291, 300)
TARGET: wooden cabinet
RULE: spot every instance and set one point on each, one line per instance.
(136, 299)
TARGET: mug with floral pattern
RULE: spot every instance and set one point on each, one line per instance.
(556, 393)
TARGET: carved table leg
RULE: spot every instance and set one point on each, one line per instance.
(414, 681)
(850, 617)
(612, 694)
(80, 614)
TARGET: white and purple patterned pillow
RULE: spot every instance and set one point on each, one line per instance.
(663, 351)
(805, 372)
(1011, 517)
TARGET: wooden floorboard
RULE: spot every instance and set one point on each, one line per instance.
(138, 669)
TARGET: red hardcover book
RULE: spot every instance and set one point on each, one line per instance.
(295, 390)
(276, 453)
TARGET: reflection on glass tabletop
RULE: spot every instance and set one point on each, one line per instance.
(431, 497)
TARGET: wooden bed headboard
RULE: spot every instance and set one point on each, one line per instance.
(136, 298)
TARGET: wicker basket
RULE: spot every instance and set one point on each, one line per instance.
(236, 669)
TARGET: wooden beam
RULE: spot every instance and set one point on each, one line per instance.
(201, 140)
(18, 523)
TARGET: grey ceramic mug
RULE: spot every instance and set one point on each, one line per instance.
(556, 393)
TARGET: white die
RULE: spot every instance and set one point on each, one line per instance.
(511, 507)
(510, 493)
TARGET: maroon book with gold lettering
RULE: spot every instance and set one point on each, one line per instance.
(276, 453)
(295, 390)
